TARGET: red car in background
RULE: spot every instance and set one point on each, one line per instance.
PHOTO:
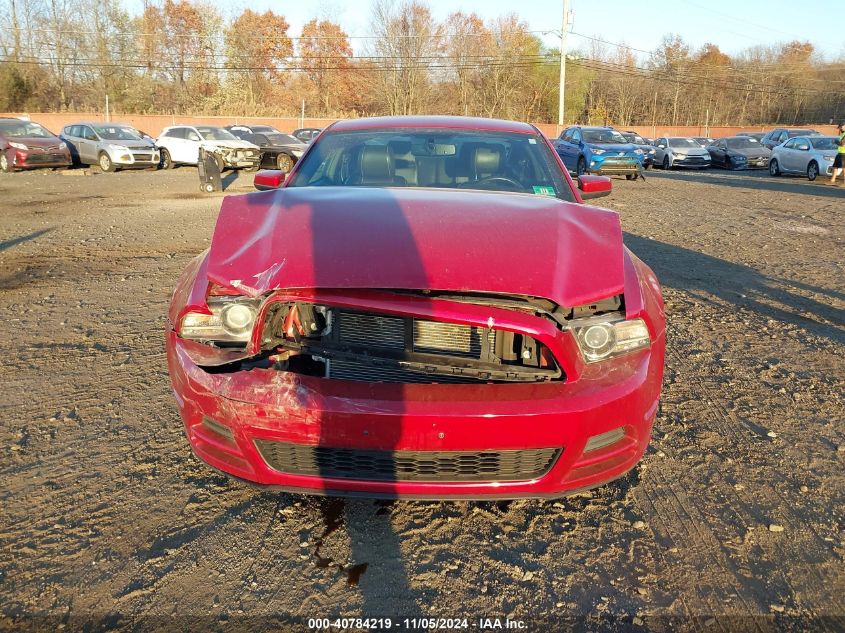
(425, 308)
(24, 144)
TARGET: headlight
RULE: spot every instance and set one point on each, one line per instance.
(638, 151)
(231, 320)
(602, 339)
(18, 145)
(651, 151)
(118, 148)
(599, 151)
(297, 152)
(62, 146)
(740, 158)
(830, 157)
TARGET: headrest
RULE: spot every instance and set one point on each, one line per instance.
(486, 161)
(375, 163)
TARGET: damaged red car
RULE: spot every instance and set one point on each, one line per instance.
(425, 308)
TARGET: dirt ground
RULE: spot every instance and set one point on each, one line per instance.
(735, 519)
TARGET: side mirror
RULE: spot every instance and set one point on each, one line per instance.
(268, 179)
(662, 146)
(594, 186)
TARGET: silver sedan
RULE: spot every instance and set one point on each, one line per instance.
(806, 155)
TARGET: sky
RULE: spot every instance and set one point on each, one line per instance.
(731, 24)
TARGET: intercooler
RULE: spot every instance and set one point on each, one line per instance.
(397, 334)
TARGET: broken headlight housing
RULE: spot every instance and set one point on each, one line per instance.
(231, 321)
(599, 339)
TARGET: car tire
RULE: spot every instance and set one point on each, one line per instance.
(5, 166)
(105, 162)
(166, 161)
(666, 165)
(631, 176)
(284, 163)
(812, 170)
(581, 168)
(774, 168)
(728, 164)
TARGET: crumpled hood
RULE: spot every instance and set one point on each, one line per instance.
(395, 238)
(236, 144)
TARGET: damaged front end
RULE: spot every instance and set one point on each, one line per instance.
(239, 156)
(379, 336)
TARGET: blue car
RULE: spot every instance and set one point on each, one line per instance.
(598, 150)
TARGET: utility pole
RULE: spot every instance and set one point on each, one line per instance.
(561, 100)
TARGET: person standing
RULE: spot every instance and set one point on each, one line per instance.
(839, 161)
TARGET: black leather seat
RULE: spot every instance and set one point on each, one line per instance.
(377, 168)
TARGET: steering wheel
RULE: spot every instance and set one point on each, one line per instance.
(493, 180)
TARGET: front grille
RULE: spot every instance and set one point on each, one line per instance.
(351, 370)
(143, 156)
(420, 466)
(45, 158)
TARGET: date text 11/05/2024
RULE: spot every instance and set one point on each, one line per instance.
(419, 624)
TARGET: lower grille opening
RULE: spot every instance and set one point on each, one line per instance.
(420, 466)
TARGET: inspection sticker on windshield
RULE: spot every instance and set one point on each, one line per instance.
(544, 190)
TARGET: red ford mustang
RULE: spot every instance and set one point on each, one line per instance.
(425, 308)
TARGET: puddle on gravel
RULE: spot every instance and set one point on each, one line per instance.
(332, 510)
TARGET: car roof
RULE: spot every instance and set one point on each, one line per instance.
(441, 122)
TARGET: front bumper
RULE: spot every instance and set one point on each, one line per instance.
(610, 165)
(246, 408)
(28, 159)
(241, 159)
(140, 159)
(693, 162)
(751, 163)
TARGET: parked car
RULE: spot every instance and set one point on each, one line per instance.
(781, 134)
(704, 141)
(739, 152)
(279, 150)
(598, 150)
(307, 134)
(680, 151)
(25, 145)
(643, 144)
(809, 155)
(339, 337)
(112, 146)
(180, 145)
(755, 135)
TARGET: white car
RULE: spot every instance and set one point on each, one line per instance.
(180, 145)
(805, 155)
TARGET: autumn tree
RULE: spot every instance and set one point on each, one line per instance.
(257, 49)
(324, 56)
(408, 41)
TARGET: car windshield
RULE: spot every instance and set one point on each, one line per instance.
(603, 137)
(742, 142)
(116, 133)
(24, 129)
(215, 134)
(284, 139)
(264, 129)
(633, 138)
(683, 142)
(824, 142)
(793, 133)
(447, 159)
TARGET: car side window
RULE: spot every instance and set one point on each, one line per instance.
(790, 144)
(802, 144)
(723, 145)
(576, 136)
(192, 135)
(177, 132)
(88, 134)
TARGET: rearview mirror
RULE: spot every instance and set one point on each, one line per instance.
(594, 186)
(268, 179)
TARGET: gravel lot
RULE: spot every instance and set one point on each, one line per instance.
(735, 519)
